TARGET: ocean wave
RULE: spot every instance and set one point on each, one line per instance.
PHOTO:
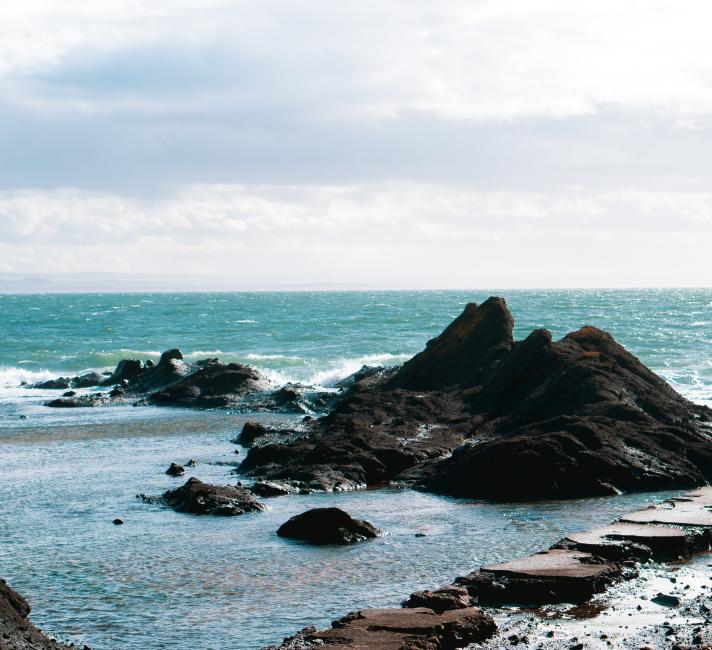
(342, 368)
(12, 377)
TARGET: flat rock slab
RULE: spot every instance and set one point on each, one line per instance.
(553, 576)
(687, 511)
(632, 541)
(555, 563)
(409, 628)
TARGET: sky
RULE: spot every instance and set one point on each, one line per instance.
(399, 144)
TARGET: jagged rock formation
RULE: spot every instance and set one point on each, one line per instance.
(172, 381)
(16, 632)
(523, 419)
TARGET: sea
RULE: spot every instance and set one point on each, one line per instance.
(170, 580)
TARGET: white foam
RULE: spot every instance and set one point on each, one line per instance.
(342, 368)
(12, 377)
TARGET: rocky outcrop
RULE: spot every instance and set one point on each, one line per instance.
(62, 383)
(211, 386)
(327, 526)
(477, 414)
(16, 632)
(198, 498)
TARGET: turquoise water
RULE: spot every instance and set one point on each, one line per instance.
(166, 580)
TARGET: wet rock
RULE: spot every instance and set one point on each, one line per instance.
(421, 628)
(327, 526)
(16, 631)
(440, 600)
(118, 522)
(624, 541)
(200, 498)
(80, 401)
(60, 383)
(87, 381)
(212, 386)
(175, 470)
(553, 576)
(191, 463)
(126, 370)
(270, 489)
(477, 414)
(69, 393)
(250, 432)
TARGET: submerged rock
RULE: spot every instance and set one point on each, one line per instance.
(327, 526)
(200, 498)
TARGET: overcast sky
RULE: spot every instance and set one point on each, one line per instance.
(379, 144)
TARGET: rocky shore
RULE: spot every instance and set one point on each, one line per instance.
(573, 572)
(16, 631)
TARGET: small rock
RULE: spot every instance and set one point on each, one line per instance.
(175, 470)
(327, 526)
(666, 600)
(118, 522)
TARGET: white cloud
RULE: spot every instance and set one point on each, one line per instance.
(406, 235)
(486, 59)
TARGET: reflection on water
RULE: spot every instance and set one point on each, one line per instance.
(169, 580)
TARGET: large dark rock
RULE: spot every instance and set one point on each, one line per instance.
(127, 370)
(200, 498)
(327, 526)
(477, 414)
(16, 632)
(211, 386)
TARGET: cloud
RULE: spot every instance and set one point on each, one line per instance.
(397, 235)
(478, 141)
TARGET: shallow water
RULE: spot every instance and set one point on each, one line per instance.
(167, 580)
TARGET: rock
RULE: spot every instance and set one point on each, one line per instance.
(250, 432)
(440, 600)
(269, 489)
(626, 541)
(408, 629)
(191, 463)
(666, 600)
(212, 386)
(88, 380)
(60, 383)
(465, 353)
(69, 393)
(118, 522)
(327, 526)
(553, 576)
(200, 498)
(127, 370)
(16, 631)
(175, 470)
(81, 401)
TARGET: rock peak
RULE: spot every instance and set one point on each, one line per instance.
(471, 345)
